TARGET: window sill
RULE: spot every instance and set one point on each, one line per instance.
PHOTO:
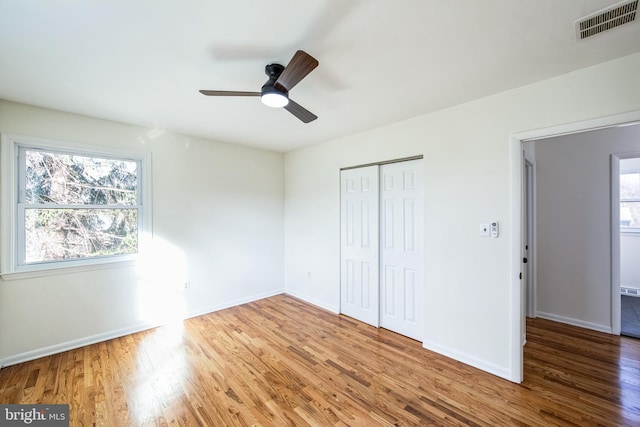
(47, 270)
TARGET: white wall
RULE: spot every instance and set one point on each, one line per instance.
(217, 219)
(630, 260)
(468, 179)
(574, 224)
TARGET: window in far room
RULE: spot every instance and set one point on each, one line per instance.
(630, 201)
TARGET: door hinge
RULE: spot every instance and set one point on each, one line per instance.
(521, 275)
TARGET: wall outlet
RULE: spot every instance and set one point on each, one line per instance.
(187, 284)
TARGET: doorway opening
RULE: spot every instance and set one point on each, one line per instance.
(520, 304)
(528, 283)
(628, 202)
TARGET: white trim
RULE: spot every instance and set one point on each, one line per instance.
(73, 344)
(81, 342)
(501, 371)
(533, 245)
(622, 119)
(77, 147)
(8, 203)
(213, 308)
(616, 231)
(46, 270)
(329, 307)
(516, 365)
(575, 322)
(9, 149)
(616, 309)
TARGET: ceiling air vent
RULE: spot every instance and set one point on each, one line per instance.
(606, 19)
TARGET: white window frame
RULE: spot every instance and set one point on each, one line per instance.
(625, 229)
(10, 267)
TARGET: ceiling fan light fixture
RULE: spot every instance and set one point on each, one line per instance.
(274, 98)
(275, 92)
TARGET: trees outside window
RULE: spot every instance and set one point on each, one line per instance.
(71, 205)
(76, 206)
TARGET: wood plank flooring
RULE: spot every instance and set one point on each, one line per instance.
(282, 362)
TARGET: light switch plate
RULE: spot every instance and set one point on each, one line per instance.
(485, 230)
(495, 229)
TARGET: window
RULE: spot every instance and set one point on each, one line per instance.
(67, 205)
(630, 201)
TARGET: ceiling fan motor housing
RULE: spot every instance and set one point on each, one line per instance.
(278, 97)
(273, 71)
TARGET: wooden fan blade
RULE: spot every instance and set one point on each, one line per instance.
(300, 112)
(228, 93)
(300, 65)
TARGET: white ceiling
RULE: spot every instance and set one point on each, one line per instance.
(143, 61)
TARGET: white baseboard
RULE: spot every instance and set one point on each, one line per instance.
(73, 344)
(461, 357)
(574, 322)
(313, 301)
(105, 336)
(470, 360)
(210, 309)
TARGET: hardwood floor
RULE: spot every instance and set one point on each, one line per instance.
(280, 361)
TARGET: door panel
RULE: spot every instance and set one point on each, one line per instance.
(359, 244)
(402, 248)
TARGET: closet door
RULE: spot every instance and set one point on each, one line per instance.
(359, 212)
(401, 249)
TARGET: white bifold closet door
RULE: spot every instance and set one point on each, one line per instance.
(382, 247)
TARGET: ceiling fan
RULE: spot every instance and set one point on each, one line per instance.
(275, 92)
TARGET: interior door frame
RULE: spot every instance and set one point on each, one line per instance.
(528, 283)
(616, 306)
(516, 194)
(531, 307)
(616, 310)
